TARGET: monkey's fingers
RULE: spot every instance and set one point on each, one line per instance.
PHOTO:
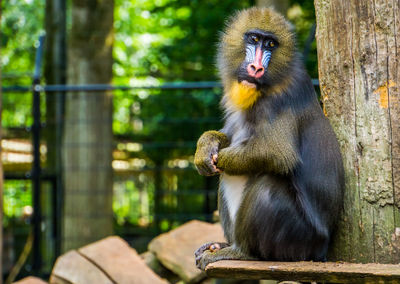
(211, 246)
(202, 249)
(206, 167)
(205, 251)
(214, 158)
(206, 170)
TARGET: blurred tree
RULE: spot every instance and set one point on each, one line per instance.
(279, 5)
(168, 39)
(302, 14)
(87, 141)
(55, 73)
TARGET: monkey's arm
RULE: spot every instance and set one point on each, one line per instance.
(273, 152)
(208, 146)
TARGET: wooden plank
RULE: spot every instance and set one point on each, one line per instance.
(120, 262)
(337, 272)
(187, 239)
(30, 280)
(74, 268)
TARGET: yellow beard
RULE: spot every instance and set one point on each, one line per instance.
(243, 96)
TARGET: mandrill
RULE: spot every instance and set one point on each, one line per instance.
(281, 171)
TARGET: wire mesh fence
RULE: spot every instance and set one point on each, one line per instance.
(153, 138)
(155, 184)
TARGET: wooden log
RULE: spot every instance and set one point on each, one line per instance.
(175, 249)
(120, 262)
(336, 272)
(110, 260)
(74, 268)
(30, 280)
(358, 53)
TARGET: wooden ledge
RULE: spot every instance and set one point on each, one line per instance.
(337, 272)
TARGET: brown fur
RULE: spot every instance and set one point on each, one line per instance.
(282, 176)
(231, 50)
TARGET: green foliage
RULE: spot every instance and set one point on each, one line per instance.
(302, 14)
(155, 42)
(16, 195)
(21, 25)
(168, 39)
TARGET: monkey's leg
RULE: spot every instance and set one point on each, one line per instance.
(271, 224)
(229, 252)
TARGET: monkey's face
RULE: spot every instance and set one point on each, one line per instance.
(256, 49)
(259, 46)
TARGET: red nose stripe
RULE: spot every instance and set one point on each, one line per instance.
(258, 59)
(256, 69)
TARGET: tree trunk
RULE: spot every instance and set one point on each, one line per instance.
(358, 52)
(279, 5)
(55, 74)
(87, 140)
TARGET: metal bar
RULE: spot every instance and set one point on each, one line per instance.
(105, 87)
(36, 168)
(16, 89)
(38, 59)
(27, 176)
(54, 72)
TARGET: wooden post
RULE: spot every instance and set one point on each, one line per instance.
(358, 52)
(87, 141)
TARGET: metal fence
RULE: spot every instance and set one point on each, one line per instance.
(149, 198)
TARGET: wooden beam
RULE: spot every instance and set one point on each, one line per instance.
(336, 272)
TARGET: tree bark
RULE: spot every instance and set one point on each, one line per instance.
(279, 5)
(358, 52)
(87, 141)
(55, 74)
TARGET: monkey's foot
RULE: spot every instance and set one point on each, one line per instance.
(212, 252)
(211, 247)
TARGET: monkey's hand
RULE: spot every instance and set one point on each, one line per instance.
(206, 155)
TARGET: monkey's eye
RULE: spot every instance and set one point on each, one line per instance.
(254, 38)
(271, 44)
